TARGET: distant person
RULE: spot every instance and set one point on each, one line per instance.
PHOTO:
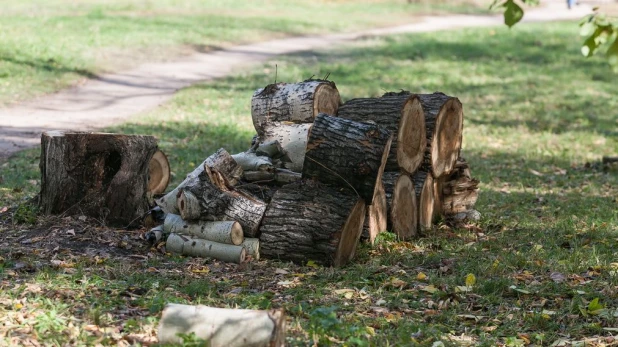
(571, 3)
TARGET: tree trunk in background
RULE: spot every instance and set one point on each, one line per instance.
(104, 176)
(402, 115)
(347, 154)
(311, 221)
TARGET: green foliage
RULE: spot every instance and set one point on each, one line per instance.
(601, 37)
(25, 213)
(325, 328)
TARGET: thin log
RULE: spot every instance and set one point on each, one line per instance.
(377, 215)
(424, 187)
(220, 162)
(229, 232)
(281, 103)
(310, 221)
(203, 200)
(221, 327)
(252, 246)
(402, 115)
(100, 175)
(251, 161)
(196, 247)
(347, 154)
(459, 190)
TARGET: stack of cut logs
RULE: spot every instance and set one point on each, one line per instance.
(320, 174)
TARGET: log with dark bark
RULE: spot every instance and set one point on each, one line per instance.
(281, 103)
(347, 154)
(308, 220)
(376, 219)
(104, 176)
(425, 197)
(223, 169)
(459, 190)
(277, 176)
(222, 327)
(444, 123)
(402, 115)
(201, 199)
(402, 204)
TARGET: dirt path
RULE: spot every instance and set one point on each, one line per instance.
(114, 98)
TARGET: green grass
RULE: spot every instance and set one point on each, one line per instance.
(538, 118)
(51, 44)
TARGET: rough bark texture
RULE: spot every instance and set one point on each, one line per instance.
(196, 247)
(104, 176)
(444, 123)
(229, 232)
(311, 221)
(222, 327)
(220, 161)
(347, 154)
(376, 220)
(403, 212)
(459, 190)
(424, 187)
(200, 199)
(158, 173)
(402, 115)
(388, 180)
(292, 103)
(262, 192)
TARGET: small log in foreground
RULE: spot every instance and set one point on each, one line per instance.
(252, 246)
(347, 154)
(402, 206)
(311, 221)
(229, 232)
(292, 103)
(459, 190)
(425, 197)
(377, 215)
(195, 247)
(220, 163)
(100, 175)
(222, 327)
(200, 199)
(402, 115)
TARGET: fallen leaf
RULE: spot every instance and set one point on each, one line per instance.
(523, 291)
(285, 283)
(534, 172)
(557, 277)
(281, 271)
(429, 289)
(312, 264)
(421, 276)
(397, 283)
(470, 280)
(71, 232)
(380, 302)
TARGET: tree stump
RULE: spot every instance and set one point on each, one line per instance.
(402, 115)
(311, 221)
(104, 176)
(347, 154)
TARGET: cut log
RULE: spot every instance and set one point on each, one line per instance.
(104, 176)
(376, 219)
(347, 153)
(195, 247)
(444, 123)
(403, 207)
(425, 189)
(262, 192)
(271, 149)
(229, 232)
(158, 173)
(252, 246)
(402, 115)
(220, 162)
(250, 161)
(311, 221)
(459, 190)
(293, 140)
(281, 103)
(277, 176)
(202, 200)
(220, 327)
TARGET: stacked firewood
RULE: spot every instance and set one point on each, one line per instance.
(320, 173)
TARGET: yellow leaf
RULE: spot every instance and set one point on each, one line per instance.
(312, 264)
(430, 289)
(371, 331)
(18, 306)
(421, 276)
(470, 280)
(396, 282)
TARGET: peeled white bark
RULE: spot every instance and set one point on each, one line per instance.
(194, 247)
(250, 161)
(293, 138)
(252, 246)
(229, 232)
(223, 327)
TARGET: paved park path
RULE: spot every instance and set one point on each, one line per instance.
(114, 98)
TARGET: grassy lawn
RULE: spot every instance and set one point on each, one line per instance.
(538, 118)
(46, 45)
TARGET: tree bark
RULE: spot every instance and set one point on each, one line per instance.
(104, 176)
(402, 115)
(444, 123)
(425, 190)
(377, 215)
(311, 221)
(221, 162)
(229, 232)
(222, 327)
(292, 103)
(276, 176)
(200, 199)
(196, 247)
(459, 190)
(347, 154)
